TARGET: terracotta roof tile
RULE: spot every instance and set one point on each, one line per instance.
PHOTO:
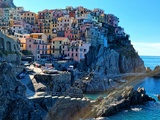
(59, 38)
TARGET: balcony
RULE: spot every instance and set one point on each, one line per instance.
(35, 42)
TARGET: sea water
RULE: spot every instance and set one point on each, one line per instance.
(150, 110)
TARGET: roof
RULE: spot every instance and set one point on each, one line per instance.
(36, 33)
(59, 38)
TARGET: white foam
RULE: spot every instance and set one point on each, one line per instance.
(136, 109)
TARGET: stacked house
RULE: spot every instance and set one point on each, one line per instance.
(62, 33)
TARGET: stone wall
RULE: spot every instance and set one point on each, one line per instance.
(56, 84)
(9, 44)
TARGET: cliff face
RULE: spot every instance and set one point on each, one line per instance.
(13, 101)
(7, 4)
(114, 59)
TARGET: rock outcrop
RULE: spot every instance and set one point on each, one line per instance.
(13, 101)
(7, 4)
(128, 98)
(148, 70)
(66, 110)
(59, 84)
(115, 59)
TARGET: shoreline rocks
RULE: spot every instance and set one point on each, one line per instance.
(128, 98)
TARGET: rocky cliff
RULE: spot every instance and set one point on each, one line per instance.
(7, 4)
(114, 59)
(14, 104)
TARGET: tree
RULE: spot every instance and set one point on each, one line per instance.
(27, 52)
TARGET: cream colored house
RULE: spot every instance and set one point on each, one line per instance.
(58, 46)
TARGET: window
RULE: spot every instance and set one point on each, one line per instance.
(68, 49)
(72, 54)
(53, 42)
(30, 40)
(81, 49)
(60, 42)
(76, 54)
(72, 49)
(29, 46)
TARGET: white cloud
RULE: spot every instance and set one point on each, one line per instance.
(151, 49)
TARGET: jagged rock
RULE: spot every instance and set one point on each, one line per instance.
(112, 60)
(56, 84)
(13, 101)
(7, 4)
(66, 110)
(156, 72)
(128, 98)
(98, 84)
(157, 67)
(74, 92)
(148, 69)
(158, 97)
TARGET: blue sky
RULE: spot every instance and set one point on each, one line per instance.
(139, 18)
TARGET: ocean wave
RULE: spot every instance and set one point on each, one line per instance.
(136, 109)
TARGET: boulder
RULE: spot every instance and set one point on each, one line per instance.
(13, 101)
(128, 98)
(74, 92)
(148, 70)
(158, 97)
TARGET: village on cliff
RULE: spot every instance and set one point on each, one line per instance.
(59, 33)
(70, 52)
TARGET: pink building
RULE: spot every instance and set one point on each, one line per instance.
(58, 13)
(77, 50)
(68, 34)
(38, 47)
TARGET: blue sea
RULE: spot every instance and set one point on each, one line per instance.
(151, 110)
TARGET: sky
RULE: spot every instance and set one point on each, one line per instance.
(139, 18)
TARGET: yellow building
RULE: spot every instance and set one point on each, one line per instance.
(53, 27)
(22, 38)
(39, 36)
(28, 17)
(58, 46)
(46, 27)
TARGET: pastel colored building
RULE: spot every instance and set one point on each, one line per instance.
(38, 47)
(39, 36)
(22, 38)
(28, 17)
(53, 27)
(58, 46)
(6, 14)
(77, 50)
(18, 29)
(15, 13)
(72, 34)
